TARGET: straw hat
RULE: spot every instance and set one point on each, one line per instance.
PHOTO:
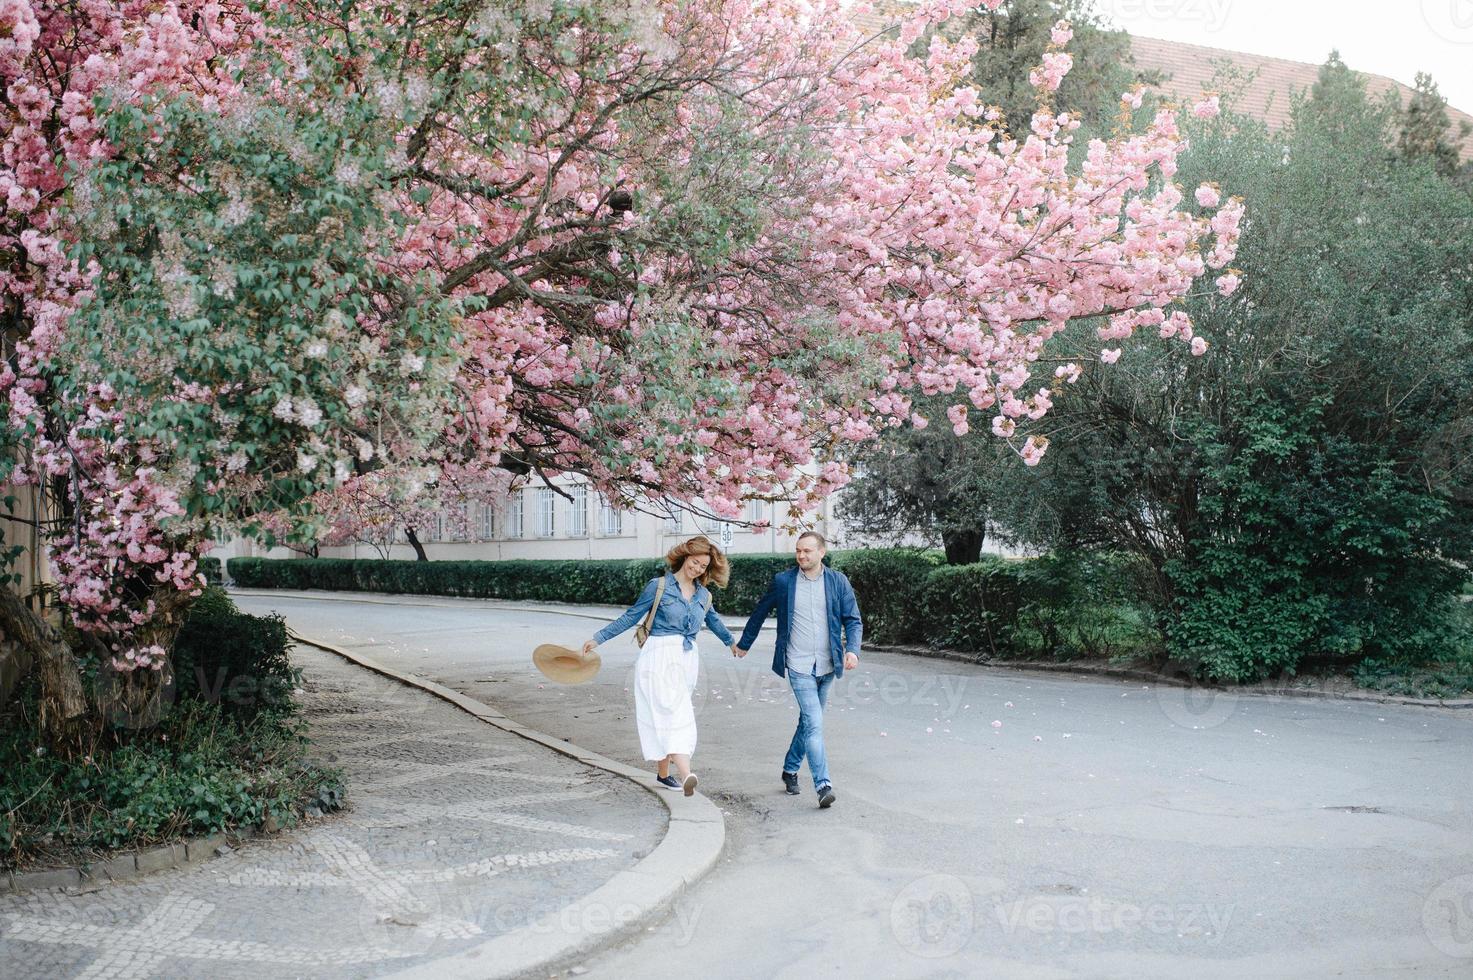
(564, 665)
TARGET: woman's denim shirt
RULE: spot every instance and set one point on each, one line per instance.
(675, 617)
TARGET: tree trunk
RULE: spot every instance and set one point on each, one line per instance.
(67, 724)
(963, 547)
(138, 699)
(419, 549)
(15, 664)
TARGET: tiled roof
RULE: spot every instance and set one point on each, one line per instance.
(883, 14)
(1188, 70)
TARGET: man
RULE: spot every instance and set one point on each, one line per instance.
(818, 636)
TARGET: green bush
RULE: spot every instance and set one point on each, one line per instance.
(1084, 606)
(200, 772)
(212, 570)
(973, 607)
(1062, 608)
(238, 661)
(890, 585)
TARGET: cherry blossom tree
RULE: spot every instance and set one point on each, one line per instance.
(256, 252)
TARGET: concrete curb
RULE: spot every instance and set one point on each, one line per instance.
(1154, 677)
(128, 865)
(620, 907)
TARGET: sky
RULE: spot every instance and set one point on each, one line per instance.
(1395, 38)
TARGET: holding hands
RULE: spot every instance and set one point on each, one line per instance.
(589, 647)
(737, 651)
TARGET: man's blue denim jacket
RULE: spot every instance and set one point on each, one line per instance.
(846, 629)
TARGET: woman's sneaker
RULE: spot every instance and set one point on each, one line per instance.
(670, 782)
(690, 784)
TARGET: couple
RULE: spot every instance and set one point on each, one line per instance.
(818, 637)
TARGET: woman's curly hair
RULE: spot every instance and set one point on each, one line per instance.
(717, 572)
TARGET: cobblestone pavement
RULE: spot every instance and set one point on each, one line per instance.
(455, 832)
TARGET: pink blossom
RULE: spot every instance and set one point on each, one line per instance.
(1050, 75)
(1207, 107)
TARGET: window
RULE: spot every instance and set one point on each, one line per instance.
(546, 512)
(514, 516)
(755, 510)
(488, 522)
(610, 518)
(675, 523)
(457, 525)
(578, 511)
(708, 525)
(439, 532)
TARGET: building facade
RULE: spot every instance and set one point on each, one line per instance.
(567, 519)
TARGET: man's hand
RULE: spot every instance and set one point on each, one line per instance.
(851, 660)
(737, 651)
(589, 647)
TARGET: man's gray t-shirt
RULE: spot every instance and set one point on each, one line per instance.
(808, 643)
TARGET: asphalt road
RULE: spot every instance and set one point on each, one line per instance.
(1006, 824)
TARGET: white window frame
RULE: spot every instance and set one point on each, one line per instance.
(578, 511)
(546, 512)
(488, 522)
(514, 516)
(610, 518)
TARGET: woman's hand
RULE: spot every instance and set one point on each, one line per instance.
(589, 647)
(737, 651)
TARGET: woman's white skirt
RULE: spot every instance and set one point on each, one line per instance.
(664, 677)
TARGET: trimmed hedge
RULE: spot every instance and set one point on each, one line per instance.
(233, 659)
(214, 574)
(890, 584)
(1045, 607)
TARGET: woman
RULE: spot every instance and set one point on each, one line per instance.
(665, 673)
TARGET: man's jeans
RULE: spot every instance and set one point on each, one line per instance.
(812, 694)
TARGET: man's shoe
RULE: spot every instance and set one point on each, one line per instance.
(668, 781)
(825, 797)
(790, 780)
